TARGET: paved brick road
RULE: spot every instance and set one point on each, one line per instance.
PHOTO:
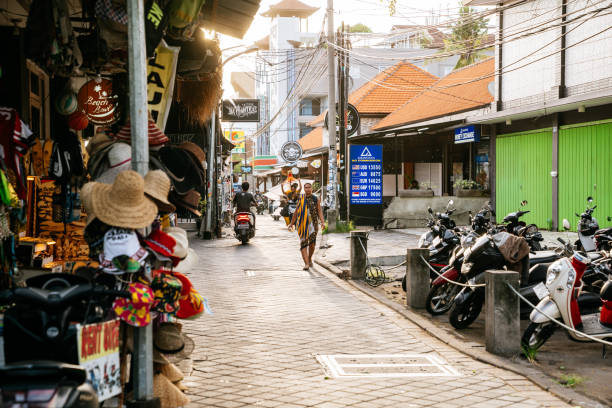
(272, 319)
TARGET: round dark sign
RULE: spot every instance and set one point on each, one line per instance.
(291, 152)
(352, 120)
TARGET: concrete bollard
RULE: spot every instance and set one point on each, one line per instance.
(358, 254)
(331, 220)
(417, 278)
(502, 321)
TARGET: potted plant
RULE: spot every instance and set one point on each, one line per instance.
(467, 188)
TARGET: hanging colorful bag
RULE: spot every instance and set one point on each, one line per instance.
(191, 303)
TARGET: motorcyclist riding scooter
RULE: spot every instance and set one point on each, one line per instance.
(244, 228)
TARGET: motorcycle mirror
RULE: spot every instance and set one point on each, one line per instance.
(523, 203)
(429, 210)
(566, 224)
(589, 199)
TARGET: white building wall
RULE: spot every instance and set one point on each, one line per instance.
(530, 64)
(591, 60)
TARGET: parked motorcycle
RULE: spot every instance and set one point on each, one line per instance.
(587, 227)
(244, 229)
(530, 232)
(40, 341)
(434, 222)
(560, 299)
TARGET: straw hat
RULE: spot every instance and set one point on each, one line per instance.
(159, 358)
(124, 204)
(168, 338)
(119, 159)
(169, 394)
(157, 187)
(172, 372)
(86, 191)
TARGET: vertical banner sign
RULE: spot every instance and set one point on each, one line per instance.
(237, 138)
(366, 174)
(98, 345)
(161, 71)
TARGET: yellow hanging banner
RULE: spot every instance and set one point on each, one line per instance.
(161, 72)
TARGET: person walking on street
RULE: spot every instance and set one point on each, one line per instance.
(244, 200)
(307, 217)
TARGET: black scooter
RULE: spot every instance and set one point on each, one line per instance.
(40, 341)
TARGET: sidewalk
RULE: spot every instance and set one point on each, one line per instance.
(560, 359)
(283, 337)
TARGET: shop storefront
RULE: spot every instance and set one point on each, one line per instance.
(76, 222)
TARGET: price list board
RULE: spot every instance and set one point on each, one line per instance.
(366, 174)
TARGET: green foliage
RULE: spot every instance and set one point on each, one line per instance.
(570, 380)
(360, 28)
(341, 226)
(391, 6)
(466, 184)
(530, 353)
(468, 33)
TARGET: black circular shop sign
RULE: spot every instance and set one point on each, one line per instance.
(352, 119)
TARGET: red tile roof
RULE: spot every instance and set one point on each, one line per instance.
(312, 139)
(388, 90)
(461, 90)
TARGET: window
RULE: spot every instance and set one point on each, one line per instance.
(304, 129)
(310, 107)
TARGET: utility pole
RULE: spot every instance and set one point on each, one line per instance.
(346, 44)
(332, 190)
(342, 122)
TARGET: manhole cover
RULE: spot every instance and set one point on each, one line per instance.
(276, 272)
(386, 365)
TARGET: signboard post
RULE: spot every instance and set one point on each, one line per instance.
(98, 346)
(366, 174)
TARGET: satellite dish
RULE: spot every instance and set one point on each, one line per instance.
(491, 88)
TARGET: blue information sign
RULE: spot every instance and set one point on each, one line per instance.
(366, 174)
(467, 134)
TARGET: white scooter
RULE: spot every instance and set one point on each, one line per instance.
(559, 300)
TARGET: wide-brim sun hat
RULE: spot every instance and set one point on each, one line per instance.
(168, 338)
(182, 169)
(187, 264)
(124, 204)
(100, 140)
(169, 394)
(197, 154)
(156, 136)
(189, 201)
(157, 188)
(182, 242)
(119, 159)
(86, 191)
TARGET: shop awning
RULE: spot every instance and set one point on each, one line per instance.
(231, 17)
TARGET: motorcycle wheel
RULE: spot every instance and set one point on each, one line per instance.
(462, 315)
(244, 237)
(536, 335)
(441, 298)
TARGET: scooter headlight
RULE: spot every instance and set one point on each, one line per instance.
(421, 242)
(570, 279)
(553, 273)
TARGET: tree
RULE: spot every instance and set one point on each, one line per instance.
(467, 36)
(360, 28)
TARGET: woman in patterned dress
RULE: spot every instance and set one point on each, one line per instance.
(307, 217)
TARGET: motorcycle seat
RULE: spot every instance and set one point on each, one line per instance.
(39, 370)
(604, 231)
(542, 257)
(593, 256)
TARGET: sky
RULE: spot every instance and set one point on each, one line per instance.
(373, 13)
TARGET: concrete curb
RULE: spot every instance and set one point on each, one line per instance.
(527, 370)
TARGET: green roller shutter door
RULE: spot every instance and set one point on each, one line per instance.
(585, 169)
(523, 165)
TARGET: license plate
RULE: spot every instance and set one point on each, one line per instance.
(243, 226)
(540, 290)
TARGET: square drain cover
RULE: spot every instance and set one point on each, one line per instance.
(386, 365)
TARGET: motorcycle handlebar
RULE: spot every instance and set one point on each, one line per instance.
(41, 296)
